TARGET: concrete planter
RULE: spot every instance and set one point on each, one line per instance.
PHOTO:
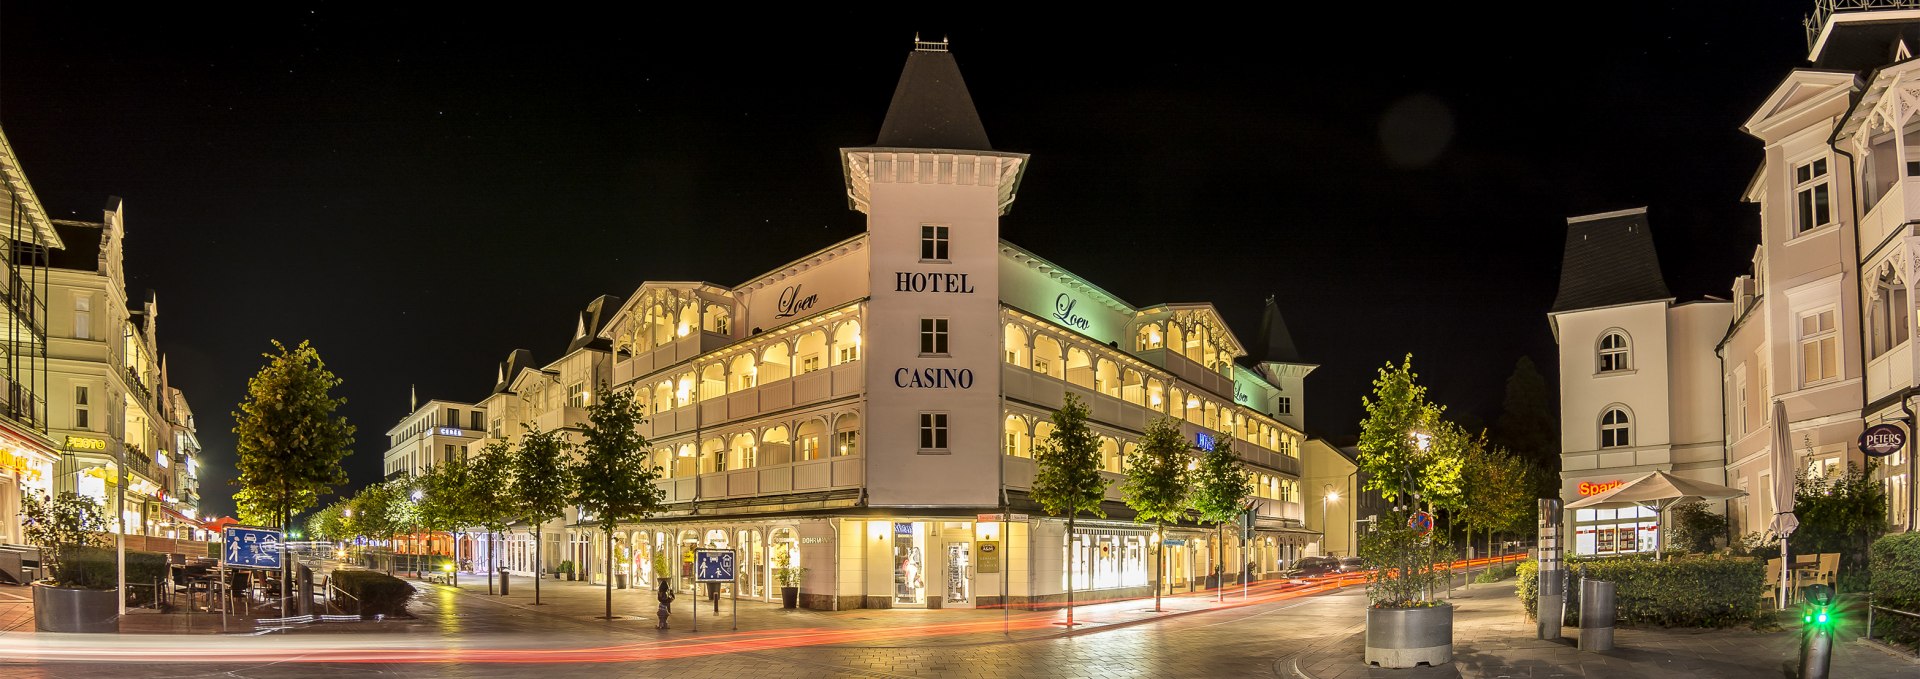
(63, 609)
(1408, 637)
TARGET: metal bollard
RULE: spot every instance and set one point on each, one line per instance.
(1551, 592)
(1596, 615)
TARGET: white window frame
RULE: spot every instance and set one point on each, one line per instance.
(936, 243)
(82, 412)
(83, 317)
(1615, 359)
(1625, 427)
(935, 334)
(1815, 187)
(1829, 336)
(935, 432)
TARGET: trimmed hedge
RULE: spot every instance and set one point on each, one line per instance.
(94, 568)
(1895, 563)
(377, 593)
(1701, 591)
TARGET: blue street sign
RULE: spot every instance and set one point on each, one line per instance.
(243, 547)
(713, 565)
(1174, 542)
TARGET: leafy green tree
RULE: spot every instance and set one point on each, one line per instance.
(1066, 473)
(542, 482)
(329, 524)
(1496, 485)
(1221, 487)
(1403, 447)
(446, 502)
(492, 498)
(1529, 427)
(1157, 485)
(1841, 512)
(615, 479)
(372, 517)
(1695, 527)
(288, 436)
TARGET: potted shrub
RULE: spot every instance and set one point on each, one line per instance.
(1414, 458)
(76, 594)
(565, 570)
(789, 578)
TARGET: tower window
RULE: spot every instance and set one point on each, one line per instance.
(1616, 431)
(933, 243)
(1811, 195)
(1615, 355)
(933, 431)
(933, 337)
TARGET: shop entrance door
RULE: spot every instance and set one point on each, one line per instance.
(959, 574)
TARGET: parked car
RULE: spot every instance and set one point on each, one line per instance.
(1352, 564)
(1314, 566)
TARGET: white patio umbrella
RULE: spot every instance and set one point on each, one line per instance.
(1784, 472)
(1658, 491)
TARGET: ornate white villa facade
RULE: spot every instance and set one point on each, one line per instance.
(869, 411)
(1823, 322)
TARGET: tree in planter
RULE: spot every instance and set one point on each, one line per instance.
(1842, 512)
(1405, 451)
(1066, 474)
(614, 478)
(1221, 486)
(61, 527)
(1157, 486)
(289, 438)
(542, 484)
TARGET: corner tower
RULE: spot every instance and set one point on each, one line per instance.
(933, 190)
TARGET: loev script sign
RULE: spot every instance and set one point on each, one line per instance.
(1881, 440)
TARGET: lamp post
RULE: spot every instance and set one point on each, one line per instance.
(1327, 495)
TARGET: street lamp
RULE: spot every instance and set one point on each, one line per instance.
(1327, 495)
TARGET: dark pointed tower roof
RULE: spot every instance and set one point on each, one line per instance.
(1275, 341)
(1609, 261)
(931, 108)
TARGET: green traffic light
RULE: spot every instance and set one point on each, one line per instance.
(1823, 618)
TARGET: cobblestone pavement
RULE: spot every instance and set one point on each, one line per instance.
(1315, 637)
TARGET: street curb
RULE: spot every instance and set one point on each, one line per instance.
(1889, 649)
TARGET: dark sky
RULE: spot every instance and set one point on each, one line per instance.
(421, 191)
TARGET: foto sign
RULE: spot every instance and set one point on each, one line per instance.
(1881, 440)
(713, 565)
(248, 547)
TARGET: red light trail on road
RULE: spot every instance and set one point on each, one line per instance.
(326, 649)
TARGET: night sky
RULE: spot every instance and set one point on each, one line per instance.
(420, 192)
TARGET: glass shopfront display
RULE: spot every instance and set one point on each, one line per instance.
(1606, 532)
(909, 563)
(959, 575)
(1107, 559)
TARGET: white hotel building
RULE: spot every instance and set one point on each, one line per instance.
(868, 410)
(1823, 322)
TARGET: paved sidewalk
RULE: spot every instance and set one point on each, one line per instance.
(1493, 638)
(470, 609)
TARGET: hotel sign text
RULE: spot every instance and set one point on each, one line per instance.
(1063, 312)
(907, 281)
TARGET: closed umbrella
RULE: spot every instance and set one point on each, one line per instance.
(1657, 491)
(1783, 476)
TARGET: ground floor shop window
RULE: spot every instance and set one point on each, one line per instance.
(1104, 559)
(909, 563)
(1605, 532)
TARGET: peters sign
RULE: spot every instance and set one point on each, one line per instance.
(1881, 440)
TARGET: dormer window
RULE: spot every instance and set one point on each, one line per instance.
(1811, 190)
(1615, 353)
